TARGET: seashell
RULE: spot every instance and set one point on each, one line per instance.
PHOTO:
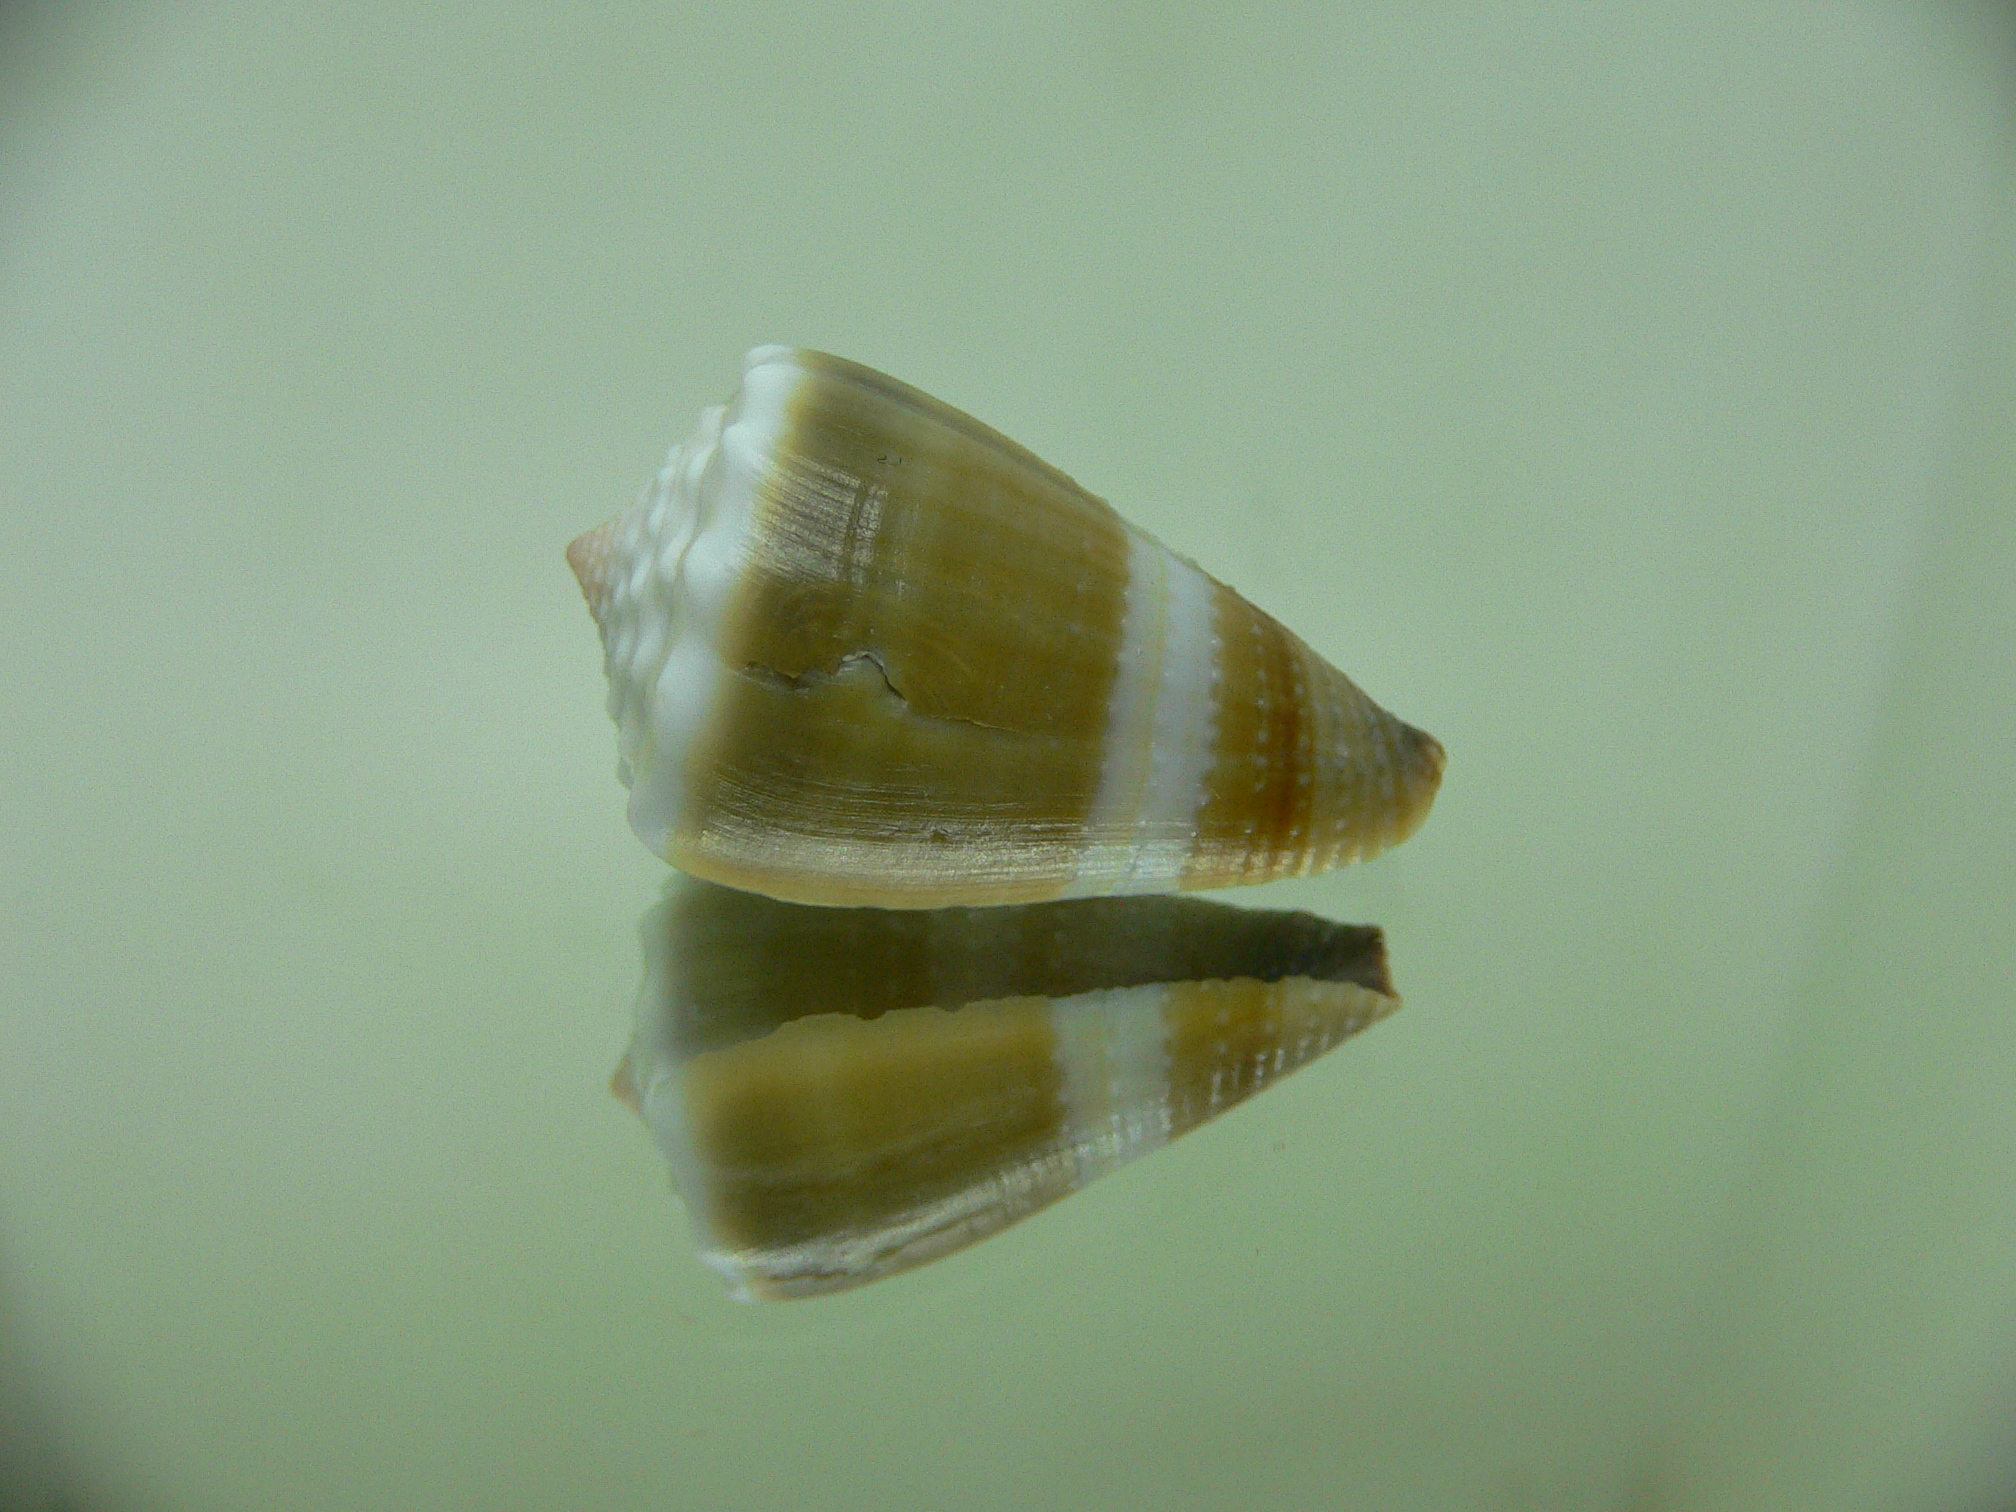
(844, 1093)
(863, 650)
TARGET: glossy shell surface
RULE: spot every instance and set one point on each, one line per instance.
(862, 649)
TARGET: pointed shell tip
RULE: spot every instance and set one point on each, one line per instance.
(1433, 757)
(588, 555)
(623, 1086)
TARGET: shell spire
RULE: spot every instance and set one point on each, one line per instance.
(863, 650)
(589, 556)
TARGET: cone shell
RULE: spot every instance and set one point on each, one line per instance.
(863, 650)
(845, 1093)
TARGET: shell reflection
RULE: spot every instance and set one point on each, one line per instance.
(845, 1093)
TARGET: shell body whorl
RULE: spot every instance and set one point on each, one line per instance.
(864, 650)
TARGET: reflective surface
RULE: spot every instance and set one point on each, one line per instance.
(1658, 370)
(845, 1093)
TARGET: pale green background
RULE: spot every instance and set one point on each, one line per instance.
(1624, 394)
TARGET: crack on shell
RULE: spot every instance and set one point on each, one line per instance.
(818, 677)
